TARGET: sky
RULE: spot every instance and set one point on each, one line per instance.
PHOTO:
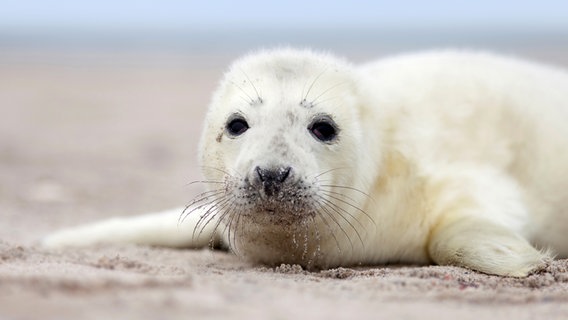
(132, 15)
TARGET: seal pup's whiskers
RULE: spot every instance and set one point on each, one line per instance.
(220, 216)
(251, 101)
(332, 217)
(209, 215)
(348, 188)
(352, 204)
(225, 172)
(340, 212)
(304, 98)
(195, 204)
(315, 101)
(258, 95)
(343, 210)
(229, 229)
(329, 229)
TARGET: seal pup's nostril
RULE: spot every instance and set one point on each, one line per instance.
(283, 174)
(278, 175)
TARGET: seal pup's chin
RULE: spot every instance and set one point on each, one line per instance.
(275, 226)
(273, 238)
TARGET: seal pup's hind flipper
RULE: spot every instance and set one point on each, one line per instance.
(166, 228)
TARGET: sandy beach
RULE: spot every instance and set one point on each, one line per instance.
(82, 141)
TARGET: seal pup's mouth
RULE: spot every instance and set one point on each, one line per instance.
(267, 197)
(290, 205)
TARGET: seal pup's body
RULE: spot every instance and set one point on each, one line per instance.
(448, 157)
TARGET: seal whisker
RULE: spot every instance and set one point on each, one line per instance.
(246, 101)
(314, 101)
(322, 218)
(190, 208)
(332, 216)
(204, 195)
(204, 182)
(217, 204)
(238, 224)
(348, 188)
(211, 214)
(305, 97)
(325, 100)
(330, 194)
(228, 214)
(211, 205)
(221, 170)
(221, 214)
(338, 210)
(253, 86)
(347, 212)
(229, 228)
(328, 171)
(251, 100)
(210, 211)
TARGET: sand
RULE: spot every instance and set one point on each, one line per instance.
(81, 141)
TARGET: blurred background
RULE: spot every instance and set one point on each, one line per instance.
(359, 29)
(101, 102)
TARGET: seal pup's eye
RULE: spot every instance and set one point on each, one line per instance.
(323, 129)
(237, 126)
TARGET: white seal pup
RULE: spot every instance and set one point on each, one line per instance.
(448, 157)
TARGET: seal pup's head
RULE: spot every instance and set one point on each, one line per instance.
(283, 154)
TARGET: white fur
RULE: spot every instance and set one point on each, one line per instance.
(160, 229)
(461, 158)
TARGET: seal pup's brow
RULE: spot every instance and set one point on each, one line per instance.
(306, 104)
(250, 101)
(259, 99)
(304, 97)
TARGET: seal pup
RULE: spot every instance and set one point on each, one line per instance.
(448, 157)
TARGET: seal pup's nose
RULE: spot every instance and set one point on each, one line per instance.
(273, 178)
(277, 175)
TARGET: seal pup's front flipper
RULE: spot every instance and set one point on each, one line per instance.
(166, 228)
(483, 246)
(482, 223)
